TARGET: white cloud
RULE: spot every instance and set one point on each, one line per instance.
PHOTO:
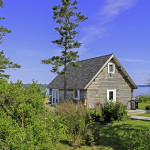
(134, 60)
(110, 10)
(113, 8)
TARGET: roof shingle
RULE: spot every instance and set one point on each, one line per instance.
(79, 77)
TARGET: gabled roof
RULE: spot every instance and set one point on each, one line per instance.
(81, 77)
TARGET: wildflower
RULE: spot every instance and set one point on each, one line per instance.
(52, 120)
(98, 102)
(45, 118)
(51, 128)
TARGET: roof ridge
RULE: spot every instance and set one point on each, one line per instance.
(95, 57)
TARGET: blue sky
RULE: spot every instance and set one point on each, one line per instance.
(121, 27)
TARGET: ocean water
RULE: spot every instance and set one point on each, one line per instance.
(142, 90)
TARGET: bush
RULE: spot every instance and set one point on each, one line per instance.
(113, 111)
(25, 123)
(144, 99)
(76, 120)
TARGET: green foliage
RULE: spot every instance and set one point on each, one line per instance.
(75, 123)
(3, 30)
(144, 99)
(113, 111)
(68, 18)
(25, 123)
(5, 63)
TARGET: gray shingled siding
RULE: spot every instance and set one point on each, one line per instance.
(97, 91)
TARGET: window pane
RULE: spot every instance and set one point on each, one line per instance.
(53, 93)
(111, 68)
(111, 95)
(53, 100)
(76, 94)
(56, 93)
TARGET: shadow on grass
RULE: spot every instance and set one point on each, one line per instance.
(128, 135)
(122, 136)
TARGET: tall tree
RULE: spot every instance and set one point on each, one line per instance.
(5, 63)
(3, 30)
(68, 18)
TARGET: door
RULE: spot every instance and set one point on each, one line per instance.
(55, 96)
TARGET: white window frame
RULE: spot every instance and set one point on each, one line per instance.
(54, 96)
(78, 91)
(113, 72)
(114, 94)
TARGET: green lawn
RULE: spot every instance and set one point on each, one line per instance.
(145, 114)
(118, 136)
(142, 105)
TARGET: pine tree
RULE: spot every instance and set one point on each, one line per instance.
(68, 18)
(5, 63)
(3, 30)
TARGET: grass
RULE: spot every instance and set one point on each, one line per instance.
(145, 101)
(145, 115)
(116, 136)
(142, 105)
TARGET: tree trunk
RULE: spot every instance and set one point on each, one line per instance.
(65, 78)
(65, 84)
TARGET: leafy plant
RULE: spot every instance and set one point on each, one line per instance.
(25, 122)
(113, 111)
(144, 99)
(76, 121)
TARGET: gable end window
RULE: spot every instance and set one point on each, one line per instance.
(76, 94)
(111, 68)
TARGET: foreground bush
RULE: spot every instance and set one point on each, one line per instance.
(76, 121)
(25, 123)
(113, 111)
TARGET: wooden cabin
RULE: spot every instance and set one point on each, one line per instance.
(97, 79)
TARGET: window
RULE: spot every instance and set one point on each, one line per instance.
(111, 95)
(111, 68)
(55, 96)
(76, 94)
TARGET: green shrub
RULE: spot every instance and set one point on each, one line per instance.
(25, 123)
(76, 120)
(113, 111)
(144, 99)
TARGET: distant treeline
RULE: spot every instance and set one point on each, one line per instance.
(143, 85)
